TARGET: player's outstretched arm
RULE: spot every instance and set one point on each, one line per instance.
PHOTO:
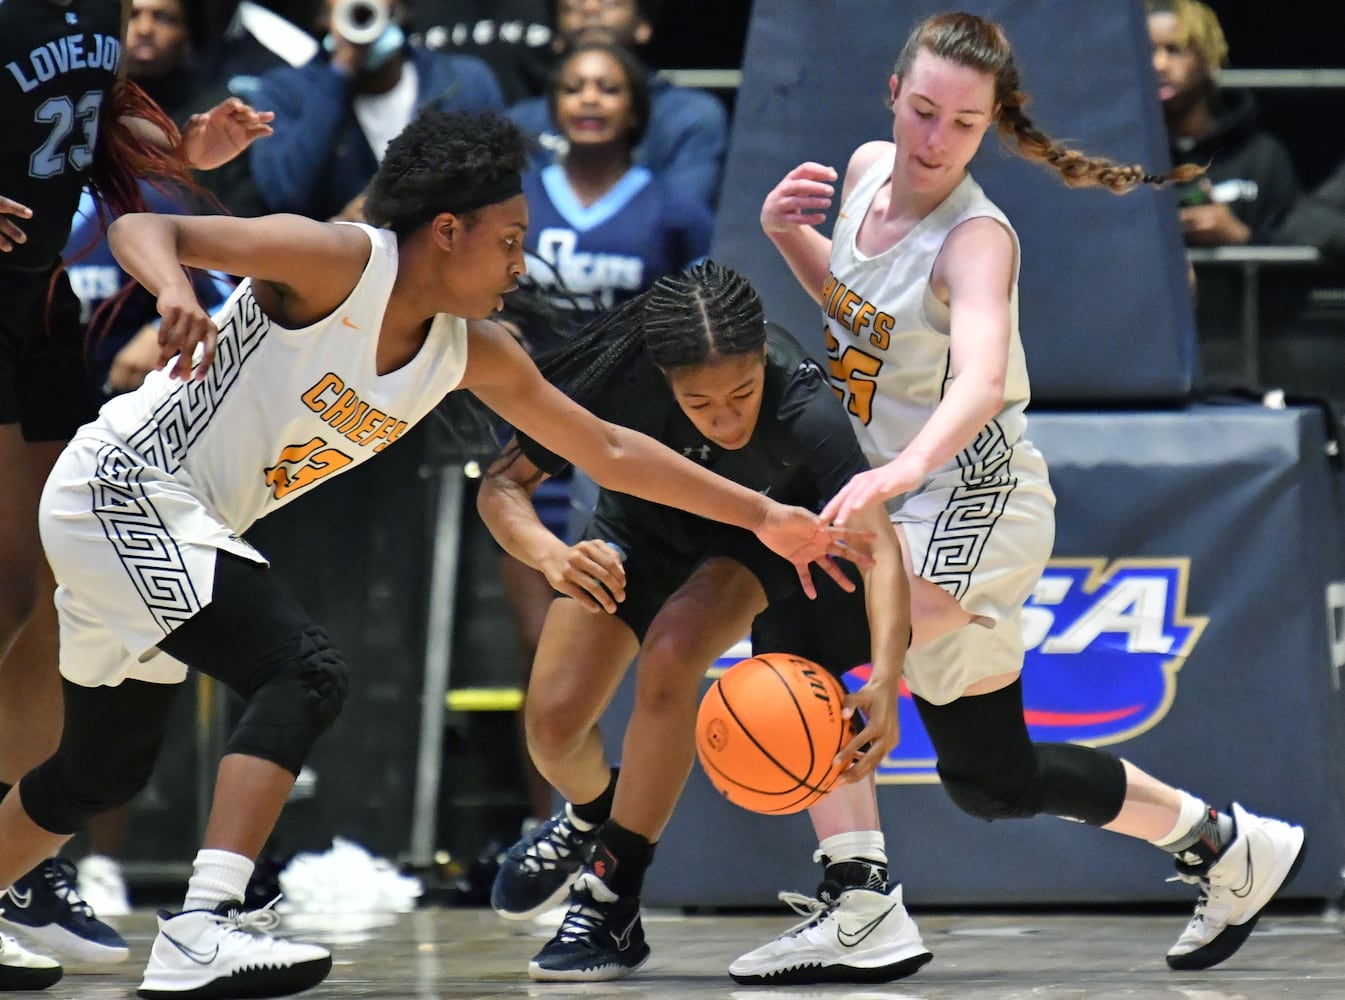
(505, 379)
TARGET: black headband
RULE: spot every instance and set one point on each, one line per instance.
(501, 188)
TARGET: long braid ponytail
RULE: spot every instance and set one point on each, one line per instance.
(687, 318)
(971, 41)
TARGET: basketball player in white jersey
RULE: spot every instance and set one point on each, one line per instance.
(919, 288)
(340, 337)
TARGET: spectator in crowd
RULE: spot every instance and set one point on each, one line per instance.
(1250, 184)
(604, 229)
(162, 57)
(688, 129)
(158, 53)
(514, 36)
(336, 114)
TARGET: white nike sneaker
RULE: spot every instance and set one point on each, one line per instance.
(1263, 856)
(228, 952)
(21, 969)
(861, 937)
(102, 886)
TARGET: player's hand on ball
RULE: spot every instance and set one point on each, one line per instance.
(875, 704)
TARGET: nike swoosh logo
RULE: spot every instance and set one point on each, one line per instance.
(345, 321)
(21, 899)
(622, 940)
(849, 939)
(199, 957)
(1248, 879)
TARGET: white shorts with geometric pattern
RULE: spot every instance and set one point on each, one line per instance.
(133, 552)
(986, 543)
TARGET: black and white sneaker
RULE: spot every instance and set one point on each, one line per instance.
(1262, 857)
(600, 939)
(229, 952)
(46, 911)
(537, 872)
(859, 936)
(20, 969)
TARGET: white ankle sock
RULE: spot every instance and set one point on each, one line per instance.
(217, 876)
(1193, 812)
(858, 845)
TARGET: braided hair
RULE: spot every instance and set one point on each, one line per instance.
(981, 45)
(688, 318)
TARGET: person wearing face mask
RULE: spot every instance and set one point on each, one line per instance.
(340, 110)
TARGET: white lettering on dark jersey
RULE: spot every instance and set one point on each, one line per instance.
(73, 52)
(92, 283)
(588, 273)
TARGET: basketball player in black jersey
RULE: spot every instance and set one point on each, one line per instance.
(693, 364)
(68, 119)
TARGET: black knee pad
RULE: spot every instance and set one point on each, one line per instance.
(1080, 783)
(991, 768)
(108, 747)
(977, 799)
(1069, 781)
(297, 691)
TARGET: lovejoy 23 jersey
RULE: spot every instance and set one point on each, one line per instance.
(59, 66)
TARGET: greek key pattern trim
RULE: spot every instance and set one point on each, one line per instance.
(147, 550)
(185, 413)
(963, 527)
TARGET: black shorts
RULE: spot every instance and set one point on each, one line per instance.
(832, 630)
(654, 571)
(45, 383)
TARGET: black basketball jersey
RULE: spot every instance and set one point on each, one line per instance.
(802, 451)
(59, 66)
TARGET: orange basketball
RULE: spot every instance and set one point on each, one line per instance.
(767, 731)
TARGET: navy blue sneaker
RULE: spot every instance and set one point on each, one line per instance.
(44, 909)
(537, 872)
(600, 938)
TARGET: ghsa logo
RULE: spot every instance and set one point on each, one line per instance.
(1105, 642)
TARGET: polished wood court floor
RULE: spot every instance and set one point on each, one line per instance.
(438, 954)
